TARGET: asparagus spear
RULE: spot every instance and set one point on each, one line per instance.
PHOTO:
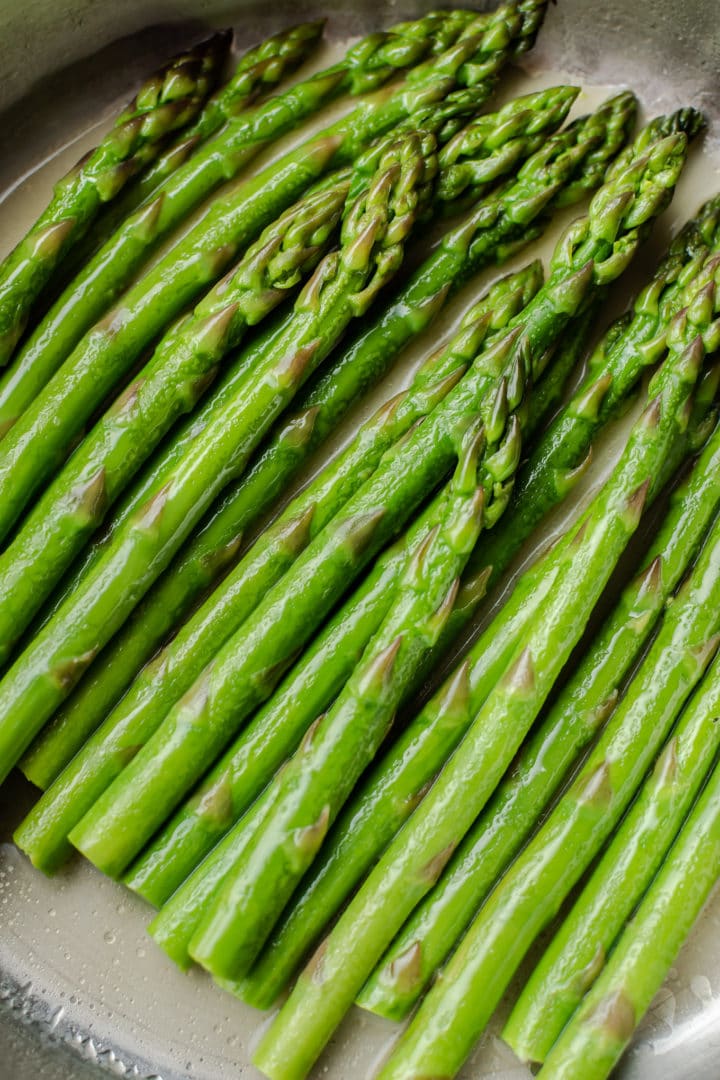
(180, 370)
(312, 685)
(595, 1038)
(416, 857)
(532, 890)
(342, 288)
(272, 734)
(246, 669)
(109, 349)
(275, 730)
(309, 791)
(167, 101)
(204, 558)
(583, 706)
(576, 955)
(164, 681)
(566, 443)
(260, 68)
(391, 792)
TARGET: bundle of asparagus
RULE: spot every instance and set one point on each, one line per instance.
(212, 720)
(208, 556)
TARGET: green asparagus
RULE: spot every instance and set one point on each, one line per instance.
(260, 68)
(594, 251)
(389, 796)
(47, 347)
(276, 729)
(181, 369)
(104, 355)
(594, 1040)
(583, 706)
(576, 955)
(309, 791)
(174, 670)
(607, 385)
(274, 732)
(166, 102)
(539, 880)
(415, 859)
(204, 559)
(390, 793)
(342, 288)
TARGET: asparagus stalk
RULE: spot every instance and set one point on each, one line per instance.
(607, 385)
(164, 681)
(328, 396)
(576, 955)
(272, 735)
(183, 366)
(595, 1038)
(252, 760)
(109, 349)
(342, 288)
(247, 668)
(391, 792)
(260, 68)
(274, 732)
(582, 708)
(204, 559)
(533, 888)
(167, 101)
(415, 859)
(308, 793)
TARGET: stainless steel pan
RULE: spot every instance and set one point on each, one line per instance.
(82, 990)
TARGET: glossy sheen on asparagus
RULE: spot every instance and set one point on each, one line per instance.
(181, 369)
(49, 344)
(609, 381)
(541, 877)
(594, 1040)
(167, 101)
(581, 710)
(318, 676)
(342, 288)
(393, 789)
(234, 684)
(109, 349)
(204, 558)
(309, 791)
(165, 680)
(577, 953)
(310, 687)
(391, 792)
(416, 858)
